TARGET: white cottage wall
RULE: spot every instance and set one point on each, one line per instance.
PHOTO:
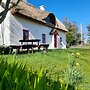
(11, 31)
(0, 36)
(16, 32)
(62, 44)
(13, 26)
(36, 30)
(1, 43)
(5, 31)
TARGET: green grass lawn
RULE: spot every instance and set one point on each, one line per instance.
(54, 61)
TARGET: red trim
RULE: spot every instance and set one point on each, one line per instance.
(56, 39)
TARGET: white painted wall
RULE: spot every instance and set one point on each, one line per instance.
(0, 35)
(1, 9)
(5, 30)
(36, 30)
(16, 32)
(11, 31)
(63, 36)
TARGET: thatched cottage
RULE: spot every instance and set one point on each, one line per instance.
(28, 22)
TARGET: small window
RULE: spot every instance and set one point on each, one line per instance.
(25, 34)
(43, 38)
(61, 40)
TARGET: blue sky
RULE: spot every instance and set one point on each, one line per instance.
(74, 10)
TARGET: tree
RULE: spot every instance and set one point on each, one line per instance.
(9, 5)
(73, 35)
(88, 33)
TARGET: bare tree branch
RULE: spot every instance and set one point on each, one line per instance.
(0, 1)
(7, 8)
(14, 4)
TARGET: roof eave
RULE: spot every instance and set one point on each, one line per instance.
(64, 30)
(34, 19)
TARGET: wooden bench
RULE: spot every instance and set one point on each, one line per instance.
(29, 46)
(17, 47)
(44, 46)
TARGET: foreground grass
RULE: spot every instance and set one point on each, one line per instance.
(55, 61)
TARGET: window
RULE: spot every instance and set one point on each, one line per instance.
(43, 38)
(61, 40)
(25, 34)
(50, 19)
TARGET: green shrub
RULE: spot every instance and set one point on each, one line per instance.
(73, 73)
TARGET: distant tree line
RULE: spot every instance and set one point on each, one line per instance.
(73, 36)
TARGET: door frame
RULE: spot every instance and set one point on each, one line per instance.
(56, 39)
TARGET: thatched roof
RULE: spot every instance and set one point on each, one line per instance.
(32, 12)
(59, 25)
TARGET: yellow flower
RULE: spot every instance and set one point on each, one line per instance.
(78, 54)
(77, 64)
(61, 81)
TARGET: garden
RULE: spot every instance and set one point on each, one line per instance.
(55, 70)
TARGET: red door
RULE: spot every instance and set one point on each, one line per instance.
(56, 39)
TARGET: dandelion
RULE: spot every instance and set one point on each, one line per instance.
(77, 64)
(61, 81)
(77, 54)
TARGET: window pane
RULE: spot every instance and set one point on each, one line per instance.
(61, 40)
(25, 34)
(43, 38)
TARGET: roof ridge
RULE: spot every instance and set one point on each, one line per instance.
(29, 4)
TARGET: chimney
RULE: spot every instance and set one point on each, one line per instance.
(42, 8)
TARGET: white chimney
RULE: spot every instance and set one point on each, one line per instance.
(42, 8)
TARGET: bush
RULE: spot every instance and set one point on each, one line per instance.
(73, 73)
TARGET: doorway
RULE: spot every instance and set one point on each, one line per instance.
(56, 39)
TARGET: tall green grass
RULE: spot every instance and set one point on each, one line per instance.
(14, 77)
(17, 77)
